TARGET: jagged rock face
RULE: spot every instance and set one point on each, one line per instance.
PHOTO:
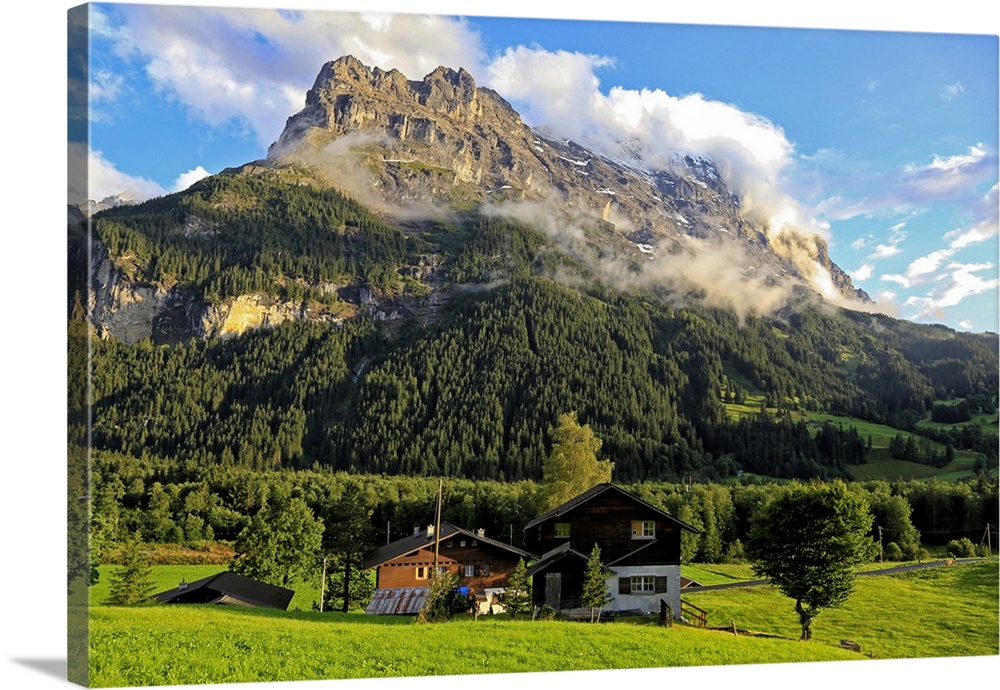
(390, 140)
(128, 311)
(444, 138)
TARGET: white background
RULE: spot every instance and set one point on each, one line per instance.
(32, 252)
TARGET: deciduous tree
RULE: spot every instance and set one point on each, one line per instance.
(572, 466)
(281, 543)
(808, 539)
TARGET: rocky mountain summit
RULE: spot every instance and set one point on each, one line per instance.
(394, 142)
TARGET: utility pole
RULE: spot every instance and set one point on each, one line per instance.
(322, 587)
(437, 527)
(880, 544)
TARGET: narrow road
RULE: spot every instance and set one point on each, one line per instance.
(883, 571)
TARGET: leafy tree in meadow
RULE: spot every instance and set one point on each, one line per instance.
(517, 599)
(808, 539)
(572, 466)
(282, 542)
(595, 595)
(132, 582)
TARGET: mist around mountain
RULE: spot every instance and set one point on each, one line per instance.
(414, 282)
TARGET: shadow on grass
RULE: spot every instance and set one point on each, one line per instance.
(311, 616)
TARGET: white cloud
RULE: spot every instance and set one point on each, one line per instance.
(186, 179)
(956, 283)
(884, 251)
(863, 273)
(951, 91)
(94, 178)
(914, 187)
(253, 66)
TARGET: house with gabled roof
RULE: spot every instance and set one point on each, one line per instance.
(403, 568)
(640, 548)
(228, 588)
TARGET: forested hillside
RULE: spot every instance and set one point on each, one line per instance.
(497, 331)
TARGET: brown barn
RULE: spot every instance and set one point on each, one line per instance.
(403, 567)
(640, 547)
(228, 588)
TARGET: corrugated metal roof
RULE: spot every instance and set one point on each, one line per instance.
(400, 601)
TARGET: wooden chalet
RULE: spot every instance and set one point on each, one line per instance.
(403, 568)
(640, 548)
(228, 588)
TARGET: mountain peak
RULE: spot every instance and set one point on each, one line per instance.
(393, 142)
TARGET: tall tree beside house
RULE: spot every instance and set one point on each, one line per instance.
(132, 583)
(349, 534)
(808, 539)
(282, 542)
(517, 597)
(572, 465)
(595, 594)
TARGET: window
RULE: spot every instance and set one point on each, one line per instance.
(422, 572)
(449, 544)
(468, 570)
(462, 543)
(643, 529)
(643, 584)
(562, 530)
(484, 569)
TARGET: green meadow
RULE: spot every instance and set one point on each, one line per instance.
(934, 612)
(943, 611)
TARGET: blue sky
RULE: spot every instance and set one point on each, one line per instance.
(884, 143)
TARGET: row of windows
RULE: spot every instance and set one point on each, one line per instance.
(424, 571)
(641, 529)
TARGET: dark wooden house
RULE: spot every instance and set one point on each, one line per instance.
(228, 588)
(403, 568)
(640, 548)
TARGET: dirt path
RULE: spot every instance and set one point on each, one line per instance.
(881, 571)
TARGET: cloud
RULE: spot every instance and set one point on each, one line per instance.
(253, 66)
(685, 272)
(951, 91)
(914, 187)
(560, 91)
(93, 177)
(863, 273)
(958, 282)
(186, 179)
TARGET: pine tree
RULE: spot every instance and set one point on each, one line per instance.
(132, 582)
(595, 595)
(517, 599)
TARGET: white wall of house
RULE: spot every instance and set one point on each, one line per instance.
(646, 602)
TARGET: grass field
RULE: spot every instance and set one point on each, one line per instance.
(946, 611)
(937, 612)
(203, 644)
